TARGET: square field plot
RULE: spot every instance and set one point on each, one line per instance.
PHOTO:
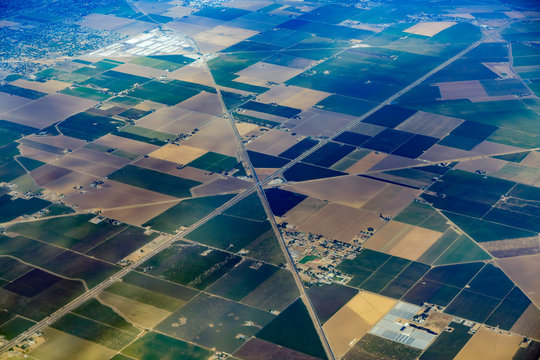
(242, 280)
(154, 181)
(214, 162)
(223, 232)
(51, 109)
(214, 322)
(192, 265)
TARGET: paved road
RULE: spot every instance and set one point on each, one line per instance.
(246, 161)
(255, 187)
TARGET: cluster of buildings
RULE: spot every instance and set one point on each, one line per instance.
(317, 257)
(153, 42)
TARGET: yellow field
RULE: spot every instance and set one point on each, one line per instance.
(490, 345)
(182, 154)
(366, 163)
(245, 128)
(48, 87)
(415, 243)
(403, 240)
(62, 346)
(138, 313)
(355, 319)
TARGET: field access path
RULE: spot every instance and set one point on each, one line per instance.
(256, 187)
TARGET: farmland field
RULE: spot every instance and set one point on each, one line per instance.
(261, 180)
(154, 180)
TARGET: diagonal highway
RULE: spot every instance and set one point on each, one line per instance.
(256, 187)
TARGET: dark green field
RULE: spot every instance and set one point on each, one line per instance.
(448, 344)
(115, 81)
(11, 209)
(422, 215)
(86, 126)
(164, 62)
(154, 181)
(214, 162)
(214, 322)
(462, 250)
(405, 280)
(372, 347)
(192, 265)
(243, 279)
(266, 248)
(328, 299)
(169, 93)
(276, 293)
(187, 212)
(96, 311)
(473, 306)
(93, 331)
(154, 346)
(87, 93)
(74, 232)
(249, 208)
(386, 273)
(431, 292)
(122, 244)
(14, 327)
(293, 329)
(363, 265)
(223, 232)
(509, 311)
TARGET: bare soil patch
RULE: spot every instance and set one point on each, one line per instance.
(351, 190)
(217, 136)
(180, 154)
(304, 211)
(341, 222)
(490, 345)
(138, 215)
(461, 90)
(524, 270)
(528, 323)
(366, 163)
(206, 103)
(269, 72)
(488, 165)
(143, 315)
(273, 142)
(132, 146)
(48, 87)
(430, 124)
(114, 194)
(48, 110)
(391, 200)
(429, 28)
(222, 185)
